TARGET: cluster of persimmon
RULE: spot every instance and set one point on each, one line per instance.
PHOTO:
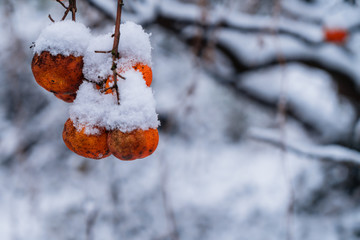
(62, 75)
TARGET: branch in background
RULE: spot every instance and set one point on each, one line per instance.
(330, 153)
(345, 81)
(167, 20)
(264, 102)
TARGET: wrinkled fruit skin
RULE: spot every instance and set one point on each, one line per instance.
(146, 72)
(58, 74)
(133, 145)
(89, 146)
(69, 98)
(336, 35)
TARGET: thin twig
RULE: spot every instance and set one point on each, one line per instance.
(99, 83)
(62, 4)
(120, 76)
(108, 88)
(51, 19)
(103, 51)
(71, 8)
(65, 14)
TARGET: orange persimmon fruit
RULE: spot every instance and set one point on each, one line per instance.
(335, 35)
(89, 146)
(66, 97)
(58, 74)
(144, 69)
(133, 145)
(146, 72)
(109, 83)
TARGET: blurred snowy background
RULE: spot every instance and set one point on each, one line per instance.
(260, 135)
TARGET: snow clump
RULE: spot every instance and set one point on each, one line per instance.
(97, 66)
(134, 47)
(65, 38)
(92, 108)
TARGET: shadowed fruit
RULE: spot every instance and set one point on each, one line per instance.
(66, 97)
(133, 145)
(89, 146)
(58, 74)
(335, 35)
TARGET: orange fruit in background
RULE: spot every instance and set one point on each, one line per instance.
(66, 97)
(133, 145)
(89, 146)
(58, 74)
(335, 35)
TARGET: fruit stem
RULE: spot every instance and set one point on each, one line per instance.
(115, 50)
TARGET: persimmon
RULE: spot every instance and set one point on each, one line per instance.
(146, 72)
(109, 83)
(58, 74)
(144, 69)
(66, 97)
(335, 35)
(90, 146)
(133, 145)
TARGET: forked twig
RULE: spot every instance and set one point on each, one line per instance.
(71, 8)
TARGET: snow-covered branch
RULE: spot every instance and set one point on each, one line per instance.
(330, 153)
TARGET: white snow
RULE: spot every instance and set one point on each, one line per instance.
(134, 47)
(302, 86)
(334, 153)
(343, 16)
(217, 187)
(64, 37)
(97, 66)
(136, 110)
(135, 43)
(331, 13)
